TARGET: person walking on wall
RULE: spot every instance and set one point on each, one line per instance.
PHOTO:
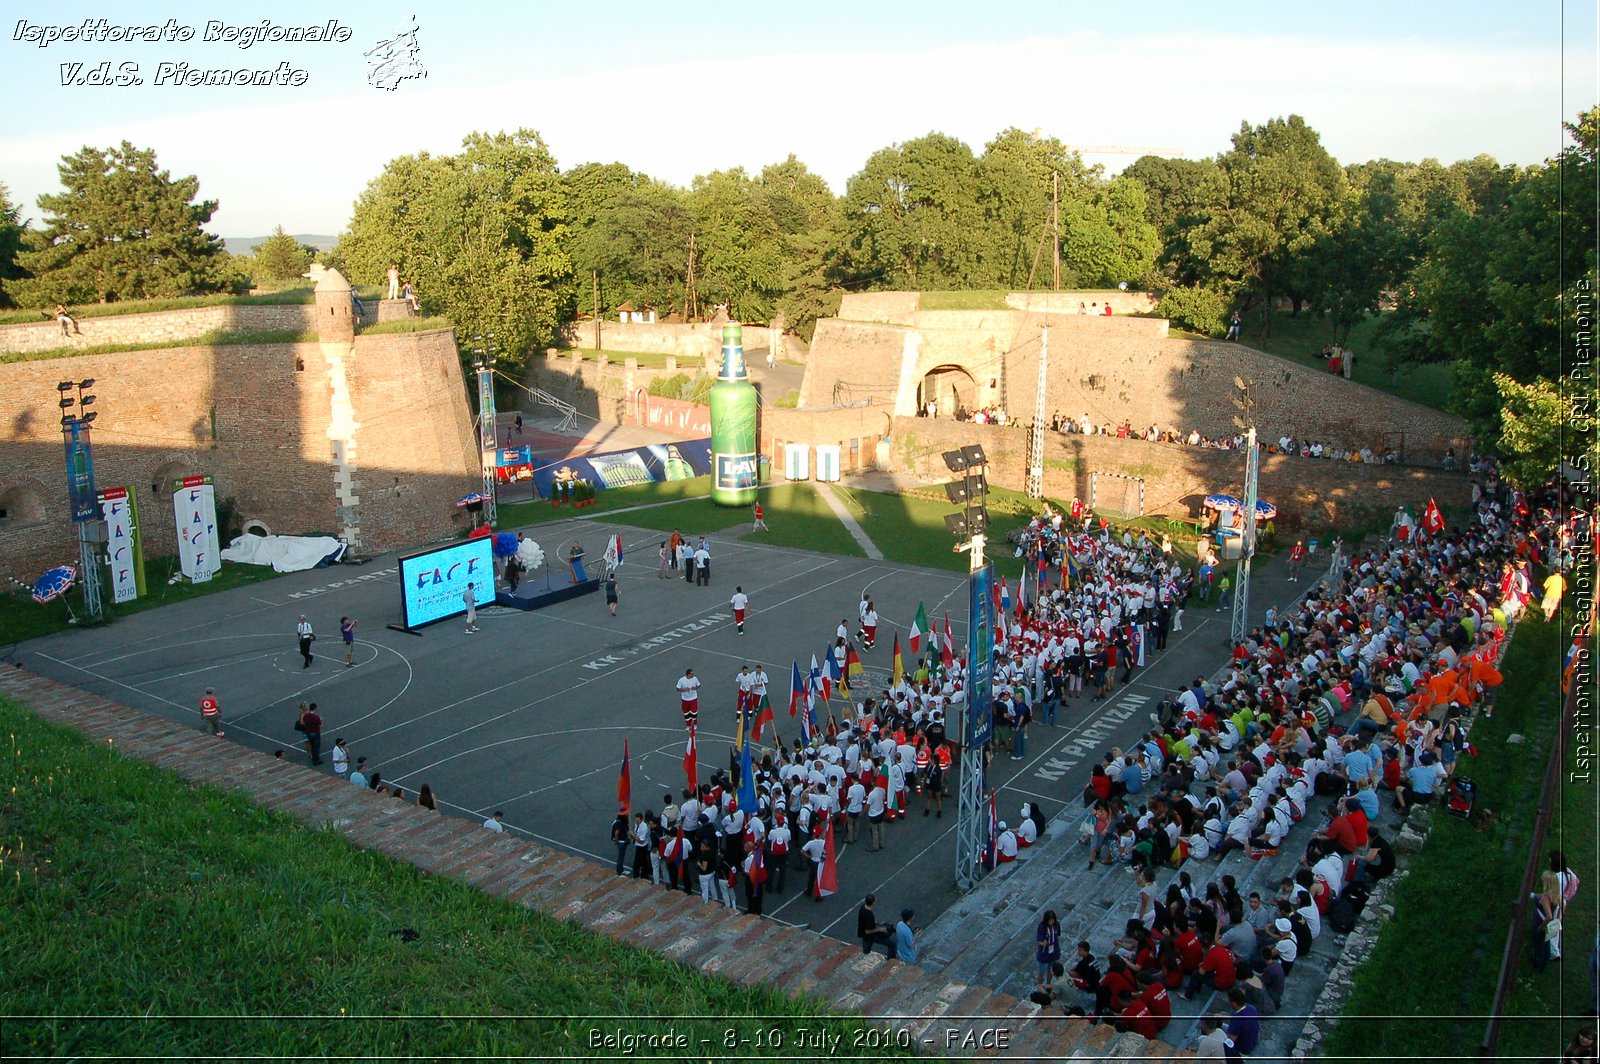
(394, 280)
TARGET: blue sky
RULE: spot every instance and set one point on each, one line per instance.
(678, 90)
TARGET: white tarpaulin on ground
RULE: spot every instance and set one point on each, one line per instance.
(286, 554)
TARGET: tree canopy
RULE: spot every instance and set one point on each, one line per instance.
(122, 229)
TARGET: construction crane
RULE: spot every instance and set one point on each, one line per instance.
(1113, 149)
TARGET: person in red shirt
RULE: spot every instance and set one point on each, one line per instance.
(1348, 832)
(1158, 1001)
(1218, 969)
(1136, 1018)
(1191, 951)
(1117, 986)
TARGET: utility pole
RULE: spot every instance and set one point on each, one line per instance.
(1246, 404)
(596, 275)
(1036, 440)
(977, 721)
(691, 298)
(1055, 223)
(484, 353)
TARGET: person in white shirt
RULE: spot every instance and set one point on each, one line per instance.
(496, 823)
(740, 602)
(341, 759)
(1006, 844)
(855, 802)
(689, 694)
(877, 811)
(816, 850)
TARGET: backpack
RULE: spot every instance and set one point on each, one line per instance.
(1341, 916)
(1460, 794)
(1357, 894)
(1570, 889)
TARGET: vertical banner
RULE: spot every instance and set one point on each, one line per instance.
(980, 658)
(80, 473)
(123, 550)
(194, 512)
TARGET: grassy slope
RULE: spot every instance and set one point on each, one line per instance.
(22, 618)
(131, 894)
(84, 311)
(1426, 986)
(1301, 338)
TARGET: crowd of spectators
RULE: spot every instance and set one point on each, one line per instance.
(1359, 696)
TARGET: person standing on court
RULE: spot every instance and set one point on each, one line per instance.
(664, 561)
(341, 758)
(702, 563)
(211, 712)
(620, 836)
(740, 602)
(347, 632)
(306, 636)
(686, 556)
(469, 599)
(611, 592)
(760, 525)
(689, 696)
(311, 727)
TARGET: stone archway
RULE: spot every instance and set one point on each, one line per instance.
(21, 504)
(950, 389)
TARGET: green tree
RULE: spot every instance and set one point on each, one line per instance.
(1282, 192)
(1540, 426)
(280, 257)
(483, 234)
(12, 229)
(912, 217)
(809, 218)
(122, 229)
(740, 244)
(1180, 196)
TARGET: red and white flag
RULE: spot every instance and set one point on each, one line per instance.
(691, 766)
(1432, 519)
(828, 870)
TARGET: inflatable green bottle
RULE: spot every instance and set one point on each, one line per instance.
(733, 426)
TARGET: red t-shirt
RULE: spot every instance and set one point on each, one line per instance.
(1120, 986)
(1159, 1002)
(1219, 963)
(1136, 1018)
(1190, 951)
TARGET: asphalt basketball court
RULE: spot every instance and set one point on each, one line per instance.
(530, 714)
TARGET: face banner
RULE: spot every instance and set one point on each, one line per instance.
(194, 514)
(123, 549)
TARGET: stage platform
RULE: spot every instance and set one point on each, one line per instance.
(541, 592)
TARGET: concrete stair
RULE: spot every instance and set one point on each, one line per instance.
(986, 938)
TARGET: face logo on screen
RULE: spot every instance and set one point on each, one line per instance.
(432, 583)
(444, 576)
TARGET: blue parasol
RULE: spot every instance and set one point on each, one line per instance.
(54, 584)
(1221, 501)
(1265, 511)
(477, 498)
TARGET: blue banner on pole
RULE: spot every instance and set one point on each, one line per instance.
(980, 658)
(80, 474)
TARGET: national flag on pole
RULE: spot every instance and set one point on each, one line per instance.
(1069, 568)
(1432, 519)
(1138, 645)
(828, 870)
(613, 552)
(992, 845)
(1004, 602)
(835, 672)
(819, 681)
(852, 666)
(947, 645)
(691, 766)
(625, 783)
(919, 628)
(1404, 522)
(758, 866)
(797, 690)
(898, 670)
(763, 718)
(1022, 595)
(747, 781)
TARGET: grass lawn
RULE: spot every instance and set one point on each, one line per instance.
(132, 897)
(980, 300)
(513, 515)
(405, 325)
(84, 311)
(1424, 989)
(215, 338)
(1301, 338)
(22, 618)
(647, 359)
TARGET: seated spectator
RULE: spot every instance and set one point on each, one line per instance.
(1217, 969)
(1420, 783)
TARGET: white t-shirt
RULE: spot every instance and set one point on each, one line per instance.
(494, 825)
(689, 688)
(877, 801)
(739, 601)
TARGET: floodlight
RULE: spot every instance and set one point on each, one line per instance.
(961, 492)
(955, 461)
(64, 386)
(1237, 402)
(1238, 423)
(956, 524)
(974, 455)
(86, 383)
(67, 402)
(87, 400)
(90, 416)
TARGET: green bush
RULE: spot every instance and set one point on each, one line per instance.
(669, 387)
(1203, 310)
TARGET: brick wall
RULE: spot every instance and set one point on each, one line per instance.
(1114, 369)
(156, 326)
(856, 430)
(256, 418)
(1310, 493)
(700, 340)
